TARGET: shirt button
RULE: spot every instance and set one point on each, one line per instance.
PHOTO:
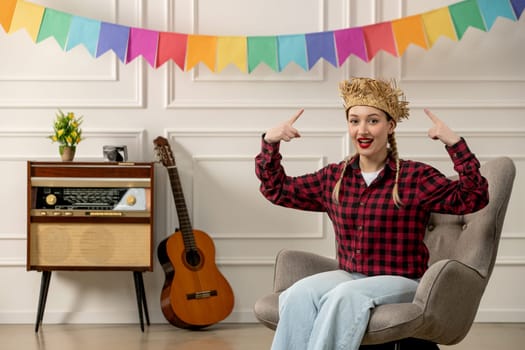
(359, 228)
(362, 204)
(358, 251)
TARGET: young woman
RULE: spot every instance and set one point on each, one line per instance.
(379, 205)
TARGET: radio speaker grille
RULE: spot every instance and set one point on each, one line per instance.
(90, 245)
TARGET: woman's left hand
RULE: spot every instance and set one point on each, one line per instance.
(440, 131)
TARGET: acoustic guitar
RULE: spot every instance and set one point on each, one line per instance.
(195, 293)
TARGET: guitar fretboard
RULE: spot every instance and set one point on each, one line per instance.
(182, 210)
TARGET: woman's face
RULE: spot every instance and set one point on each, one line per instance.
(369, 128)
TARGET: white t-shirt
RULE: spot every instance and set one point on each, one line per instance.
(370, 177)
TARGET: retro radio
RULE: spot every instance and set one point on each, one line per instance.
(90, 215)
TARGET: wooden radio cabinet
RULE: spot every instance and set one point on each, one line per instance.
(90, 216)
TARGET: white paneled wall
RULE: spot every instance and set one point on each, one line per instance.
(214, 122)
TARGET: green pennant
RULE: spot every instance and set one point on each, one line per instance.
(466, 14)
(262, 49)
(55, 24)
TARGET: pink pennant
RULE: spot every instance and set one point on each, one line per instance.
(143, 42)
(350, 41)
(379, 37)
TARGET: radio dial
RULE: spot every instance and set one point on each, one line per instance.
(131, 200)
(51, 199)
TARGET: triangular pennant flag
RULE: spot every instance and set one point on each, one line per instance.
(466, 14)
(55, 24)
(113, 37)
(201, 48)
(350, 41)
(491, 10)
(518, 6)
(379, 37)
(262, 49)
(438, 23)
(232, 49)
(84, 31)
(142, 42)
(321, 45)
(7, 9)
(292, 48)
(27, 16)
(409, 30)
(172, 46)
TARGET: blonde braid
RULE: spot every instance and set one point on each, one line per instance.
(337, 187)
(393, 150)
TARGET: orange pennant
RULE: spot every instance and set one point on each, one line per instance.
(7, 8)
(201, 48)
(409, 30)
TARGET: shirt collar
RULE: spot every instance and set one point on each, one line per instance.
(354, 162)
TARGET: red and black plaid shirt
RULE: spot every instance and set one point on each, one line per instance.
(375, 237)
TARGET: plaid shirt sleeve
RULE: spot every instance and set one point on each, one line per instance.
(465, 195)
(303, 192)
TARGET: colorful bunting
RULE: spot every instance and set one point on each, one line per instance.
(113, 37)
(321, 45)
(262, 49)
(84, 31)
(518, 6)
(55, 24)
(490, 10)
(201, 48)
(292, 48)
(231, 50)
(350, 41)
(247, 53)
(379, 37)
(172, 46)
(409, 30)
(438, 23)
(27, 16)
(466, 14)
(7, 8)
(142, 42)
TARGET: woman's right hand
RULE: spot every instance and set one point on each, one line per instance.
(284, 131)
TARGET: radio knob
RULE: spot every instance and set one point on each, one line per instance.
(51, 199)
(131, 200)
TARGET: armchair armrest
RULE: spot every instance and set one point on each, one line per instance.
(293, 265)
(449, 294)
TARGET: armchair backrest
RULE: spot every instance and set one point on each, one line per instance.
(473, 239)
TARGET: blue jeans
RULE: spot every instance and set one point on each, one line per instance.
(330, 310)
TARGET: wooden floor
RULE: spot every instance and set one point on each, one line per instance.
(219, 337)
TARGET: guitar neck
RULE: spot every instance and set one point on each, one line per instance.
(182, 211)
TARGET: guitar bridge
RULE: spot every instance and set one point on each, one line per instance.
(202, 295)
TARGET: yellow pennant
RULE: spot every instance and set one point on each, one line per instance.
(27, 16)
(438, 23)
(232, 49)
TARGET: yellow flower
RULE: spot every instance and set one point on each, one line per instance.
(66, 129)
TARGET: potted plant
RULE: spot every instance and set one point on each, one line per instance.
(67, 132)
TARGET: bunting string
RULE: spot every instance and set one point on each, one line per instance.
(248, 52)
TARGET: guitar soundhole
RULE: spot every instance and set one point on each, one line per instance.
(193, 258)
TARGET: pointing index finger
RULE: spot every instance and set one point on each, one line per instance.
(431, 115)
(296, 116)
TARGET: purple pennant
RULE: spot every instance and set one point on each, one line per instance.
(320, 45)
(143, 42)
(518, 6)
(350, 41)
(113, 37)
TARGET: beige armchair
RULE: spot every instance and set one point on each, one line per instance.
(462, 255)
